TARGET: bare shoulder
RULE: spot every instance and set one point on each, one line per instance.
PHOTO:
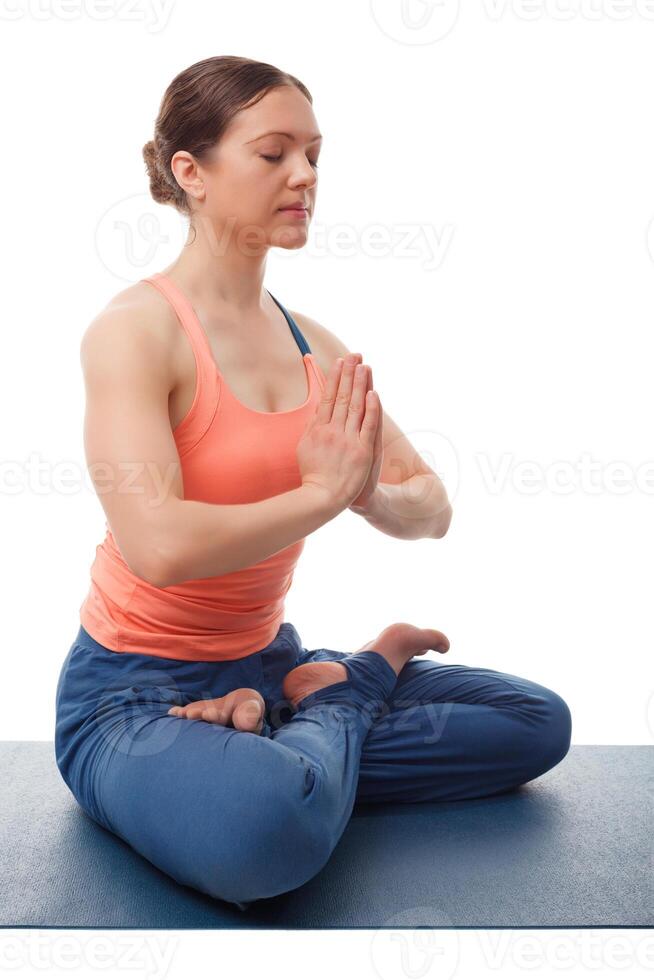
(137, 319)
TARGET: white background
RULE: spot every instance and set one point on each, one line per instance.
(506, 153)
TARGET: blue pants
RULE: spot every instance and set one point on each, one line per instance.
(241, 816)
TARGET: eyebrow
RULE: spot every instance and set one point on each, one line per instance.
(314, 139)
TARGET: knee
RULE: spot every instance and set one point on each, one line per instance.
(276, 844)
(277, 854)
(554, 731)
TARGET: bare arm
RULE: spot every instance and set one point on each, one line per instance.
(202, 539)
(135, 467)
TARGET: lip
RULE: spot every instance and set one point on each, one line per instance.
(300, 212)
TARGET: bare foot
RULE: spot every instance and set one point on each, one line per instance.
(401, 641)
(244, 708)
(396, 644)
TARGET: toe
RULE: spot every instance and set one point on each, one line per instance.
(438, 641)
(248, 716)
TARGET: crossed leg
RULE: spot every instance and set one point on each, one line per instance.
(447, 731)
(456, 732)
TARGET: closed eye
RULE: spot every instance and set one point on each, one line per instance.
(314, 163)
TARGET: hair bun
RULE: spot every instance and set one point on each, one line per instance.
(159, 187)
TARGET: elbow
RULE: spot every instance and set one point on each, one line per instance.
(159, 576)
(161, 563)
(152, 570)
(444, 522)
(147, 547)
(162, 570)
(156, 566)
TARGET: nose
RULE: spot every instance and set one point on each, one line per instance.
(303, 174)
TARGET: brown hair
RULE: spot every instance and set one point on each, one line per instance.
(196, 109)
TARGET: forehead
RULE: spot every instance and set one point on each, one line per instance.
(283, 109)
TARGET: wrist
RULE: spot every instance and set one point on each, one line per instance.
(321, 500)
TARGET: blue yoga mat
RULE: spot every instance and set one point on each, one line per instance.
(570, 849)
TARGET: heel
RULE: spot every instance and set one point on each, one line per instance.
(371, 679)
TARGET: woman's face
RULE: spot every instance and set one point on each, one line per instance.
(255, 170)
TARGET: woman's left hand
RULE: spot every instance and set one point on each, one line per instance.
(373, 476)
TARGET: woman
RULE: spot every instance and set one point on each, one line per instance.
(191, 721)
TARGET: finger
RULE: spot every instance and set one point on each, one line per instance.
(323, 411)
(379, 438)
(358, 399)
(354, 408)
(345, 387)
(379, 441)
(350, 381)
(368, 431)
(326, 404)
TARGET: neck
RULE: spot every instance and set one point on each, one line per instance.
(220, 268)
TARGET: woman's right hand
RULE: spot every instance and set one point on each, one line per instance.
(336, 449)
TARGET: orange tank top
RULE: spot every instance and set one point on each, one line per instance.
(229, 454)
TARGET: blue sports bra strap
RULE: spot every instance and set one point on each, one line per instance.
(297, 333)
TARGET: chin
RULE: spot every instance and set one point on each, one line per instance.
(289, 238)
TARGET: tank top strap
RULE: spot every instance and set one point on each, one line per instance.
(317, 372)
(183, 309)
(303, 345)
(297, 333)
(207, 389)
